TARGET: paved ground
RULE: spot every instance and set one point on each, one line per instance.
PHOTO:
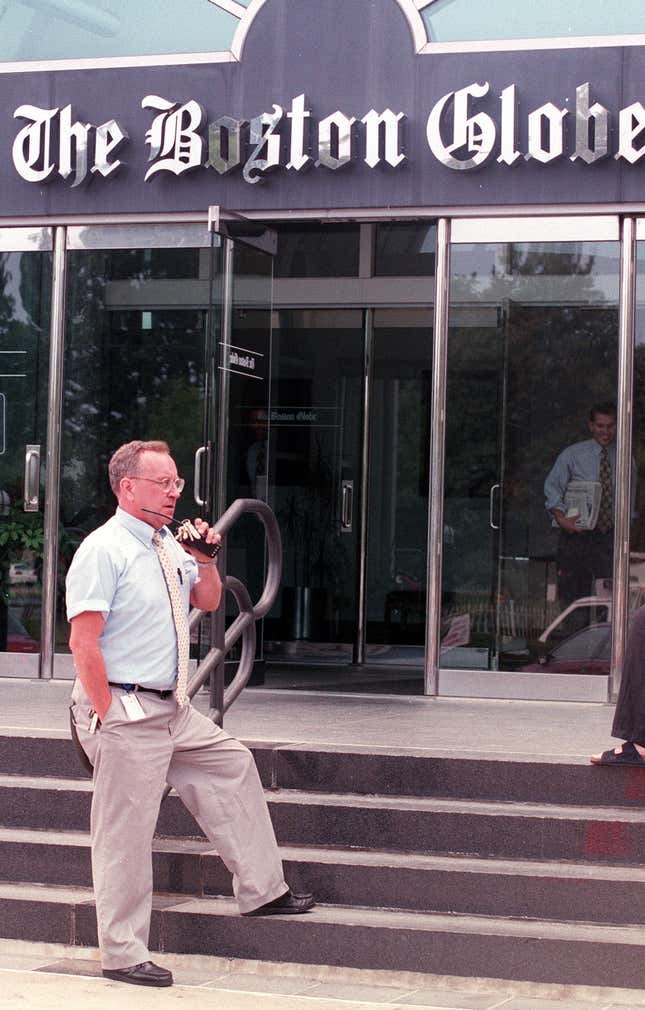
(50, 977)
(525, 729)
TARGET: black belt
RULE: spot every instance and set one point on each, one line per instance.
(138, 687)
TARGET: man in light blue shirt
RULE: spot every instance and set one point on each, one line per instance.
(129, 588)
(585, 555)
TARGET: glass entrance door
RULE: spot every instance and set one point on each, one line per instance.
(316, 410)
(531, 414)
(25, 295)
(149, 335)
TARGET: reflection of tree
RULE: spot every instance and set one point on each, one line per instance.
(129, 374)
(520, 384)
(527, 260)
(24, 328)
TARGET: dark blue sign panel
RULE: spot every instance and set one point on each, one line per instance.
(335, 110)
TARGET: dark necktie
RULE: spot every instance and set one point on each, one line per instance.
(605, 512)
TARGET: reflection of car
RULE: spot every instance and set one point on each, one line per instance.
(22, 573)
(586, 651)
(18, 638)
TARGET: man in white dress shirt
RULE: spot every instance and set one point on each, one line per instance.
(138, 733)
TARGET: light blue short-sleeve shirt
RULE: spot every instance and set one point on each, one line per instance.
(116, 572)
(577, 462)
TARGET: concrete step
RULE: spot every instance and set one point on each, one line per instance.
(467, 945)
(450, 884)
(321, 769)
(501, 830)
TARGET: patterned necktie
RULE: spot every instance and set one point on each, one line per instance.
(605, 512)
(178, 614)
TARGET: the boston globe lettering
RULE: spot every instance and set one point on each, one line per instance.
(462, 132)
(476, 135)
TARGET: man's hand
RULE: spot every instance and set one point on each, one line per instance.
(206, 593)
(567, 524)
(207, 534)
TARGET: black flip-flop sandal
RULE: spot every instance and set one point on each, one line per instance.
(628, 755)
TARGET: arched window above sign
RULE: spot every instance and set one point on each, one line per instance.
(107, 32)
(80, 34)
(460, 25)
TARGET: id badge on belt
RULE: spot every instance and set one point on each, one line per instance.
(132, 707)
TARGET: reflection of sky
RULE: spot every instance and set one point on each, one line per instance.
(463, 20)
(481, 272)
(60, 29)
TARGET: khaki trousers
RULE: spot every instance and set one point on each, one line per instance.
(217, 780)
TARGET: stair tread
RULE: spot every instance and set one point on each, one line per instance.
(362, 917)
(379, 858)
(560, 811)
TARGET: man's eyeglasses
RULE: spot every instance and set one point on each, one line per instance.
(166, 483)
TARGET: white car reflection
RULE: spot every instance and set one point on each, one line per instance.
(22, 573)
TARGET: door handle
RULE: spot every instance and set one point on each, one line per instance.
(346, 505)
(197, 476)
(31, 489)
(491, 506)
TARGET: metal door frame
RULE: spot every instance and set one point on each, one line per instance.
(41, 239)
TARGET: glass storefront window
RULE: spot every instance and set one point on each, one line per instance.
(637, 529)
(134, 369)
(405, 249)
(25, 295)
(532, 349)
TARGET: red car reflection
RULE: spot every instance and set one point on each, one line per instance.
(18, 638)
(588, 651)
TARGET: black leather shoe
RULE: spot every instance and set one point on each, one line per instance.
(146, 973)
(287, 904)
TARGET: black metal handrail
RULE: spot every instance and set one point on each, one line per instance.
(244, 624)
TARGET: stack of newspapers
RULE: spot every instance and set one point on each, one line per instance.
(582, 502)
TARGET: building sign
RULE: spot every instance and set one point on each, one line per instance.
(181, 140)
(390, 127)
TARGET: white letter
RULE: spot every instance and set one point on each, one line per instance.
(224, 126)
(72, 134)
(298, 116)
(173, 136)
(508, 155)
(339, 127)
(475, 133)
(552, 118)
(631, 123)
(372, 146)
(259, 138)
(585, 113)
(33, 144)
(109, 136)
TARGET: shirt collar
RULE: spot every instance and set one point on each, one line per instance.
(137, 527)
(597, 448)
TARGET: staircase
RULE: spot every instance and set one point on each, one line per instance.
(493, 868)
